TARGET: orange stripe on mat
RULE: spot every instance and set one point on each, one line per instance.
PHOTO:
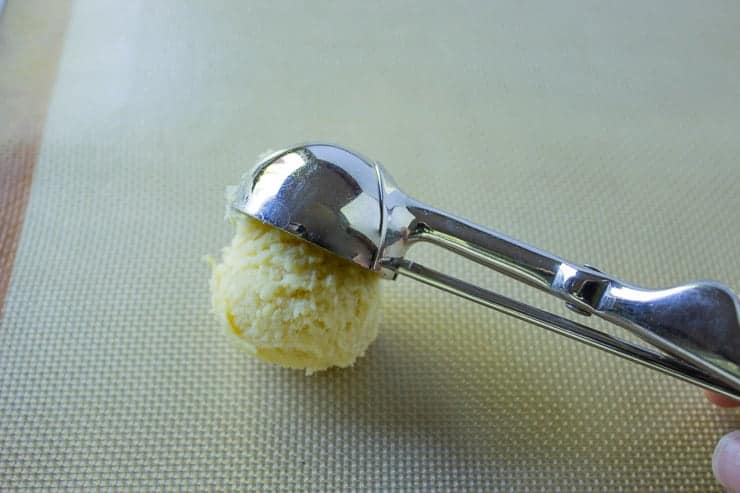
(31, 41)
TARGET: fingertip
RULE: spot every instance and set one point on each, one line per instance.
(725, 461)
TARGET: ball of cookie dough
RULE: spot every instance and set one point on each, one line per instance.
(292, 303)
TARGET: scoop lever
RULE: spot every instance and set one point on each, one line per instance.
(697, 324)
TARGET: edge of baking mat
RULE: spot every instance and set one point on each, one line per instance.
(32, 36)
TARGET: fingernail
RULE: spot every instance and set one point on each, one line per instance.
(726, 461)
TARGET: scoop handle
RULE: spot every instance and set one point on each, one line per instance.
(698, 323)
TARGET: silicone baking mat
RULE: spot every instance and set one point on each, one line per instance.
(605, 133)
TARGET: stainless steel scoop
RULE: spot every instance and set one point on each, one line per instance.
(349, 205)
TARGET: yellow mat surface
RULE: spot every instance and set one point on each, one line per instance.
(605, 134)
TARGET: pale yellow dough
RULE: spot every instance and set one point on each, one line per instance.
(292, 303)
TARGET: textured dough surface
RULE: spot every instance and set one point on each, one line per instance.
(291, 303)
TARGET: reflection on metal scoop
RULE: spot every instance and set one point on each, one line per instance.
(350, 206)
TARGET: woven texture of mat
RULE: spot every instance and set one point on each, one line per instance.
(606, 134)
